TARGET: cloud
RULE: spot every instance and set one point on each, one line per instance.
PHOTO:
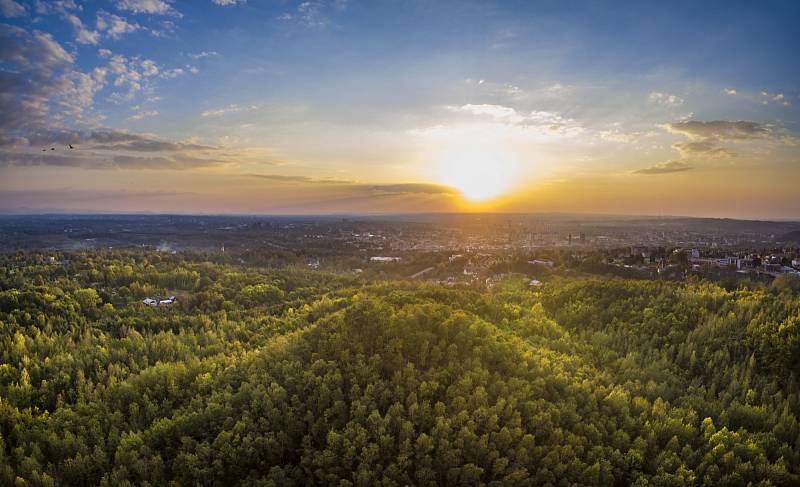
(155, 7)
(43, 137)
(10, 9)
(39, 85)
(203, 54)
(143, 114)
(299, 179)
(537, 120)
(767, 98)
(621, 137)
(98, 161)
(705, 137)
(413, 188)
(373, 189)
(113, 25)
(665, 99)
(311, 13)
(702, 148)
(149, 68)
(42, 93)
(763, 97)
(109, 149)
(173, 73)
(126, 74)
(105, 140)
(496, 112)
(141, 144)
(133, 75)
(17, 159)
(83, 35)
(719, 129)
(665, 168)
(232, 108)
(177, 161)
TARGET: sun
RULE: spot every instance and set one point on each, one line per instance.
(479, 173)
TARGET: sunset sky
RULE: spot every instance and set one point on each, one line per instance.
(372, 106)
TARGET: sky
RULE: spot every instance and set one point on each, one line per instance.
(395, 106)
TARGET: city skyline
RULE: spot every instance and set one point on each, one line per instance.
(226, 106)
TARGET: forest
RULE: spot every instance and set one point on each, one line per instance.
(289, 376)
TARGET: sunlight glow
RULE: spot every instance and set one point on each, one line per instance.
(479, 173)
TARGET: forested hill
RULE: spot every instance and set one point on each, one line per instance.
(259, 377)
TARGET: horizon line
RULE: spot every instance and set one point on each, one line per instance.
(391, 214)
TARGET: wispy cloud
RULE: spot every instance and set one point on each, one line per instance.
(538, 120)
(143, 114)
(704, 148)
(203, 54)
(300, 179)
(665, 168)
(719, 129)
(357, 187)
(232, 108)
(313, 13)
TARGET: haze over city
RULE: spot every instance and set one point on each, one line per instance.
(348, 106)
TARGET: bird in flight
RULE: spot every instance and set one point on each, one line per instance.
(70, 146)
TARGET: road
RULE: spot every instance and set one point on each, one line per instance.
(423, 271)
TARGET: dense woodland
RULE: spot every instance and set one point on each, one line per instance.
(294, 377)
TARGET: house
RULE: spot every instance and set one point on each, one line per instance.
(155, 302)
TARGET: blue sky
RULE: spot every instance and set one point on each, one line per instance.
(351, 106)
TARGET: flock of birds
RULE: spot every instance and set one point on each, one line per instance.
(69, 146)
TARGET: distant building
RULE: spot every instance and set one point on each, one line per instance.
(155, 302)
